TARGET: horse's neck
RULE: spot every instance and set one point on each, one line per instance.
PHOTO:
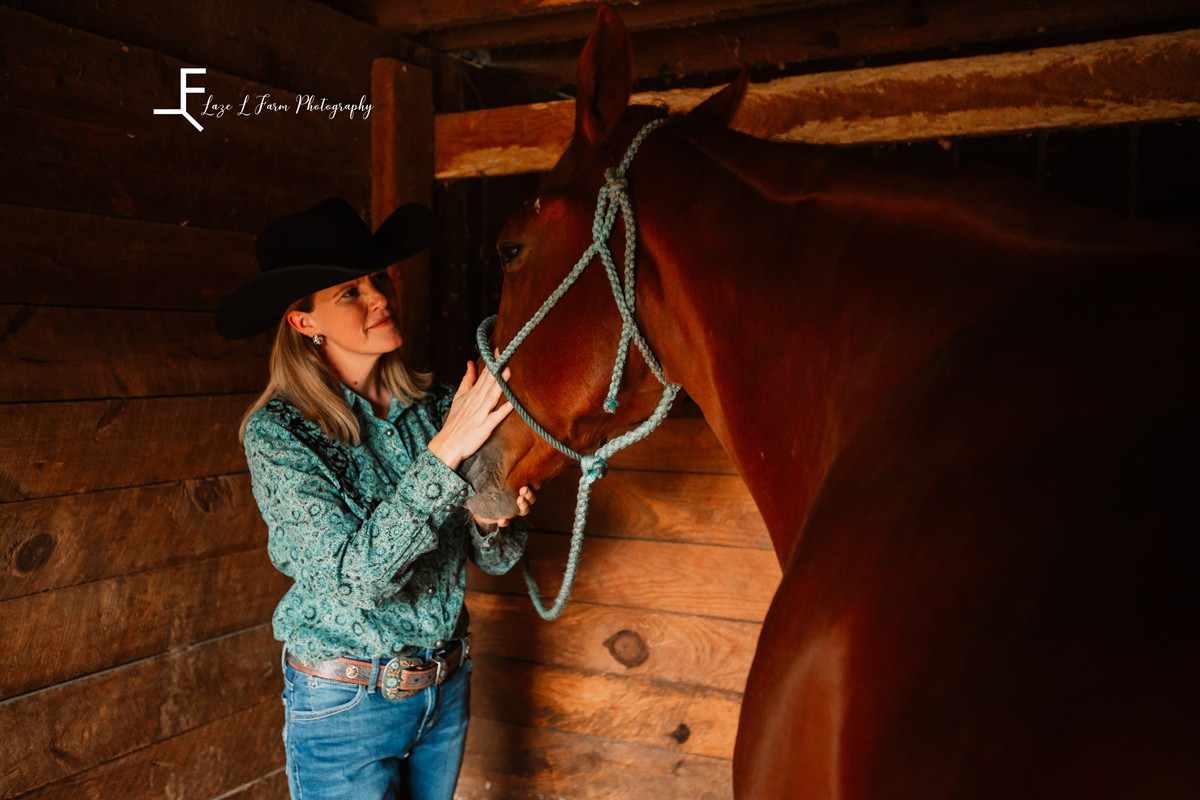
(791, 316)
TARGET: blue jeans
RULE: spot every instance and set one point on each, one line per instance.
(345, 741)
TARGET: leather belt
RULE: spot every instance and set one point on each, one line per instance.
(399, 678)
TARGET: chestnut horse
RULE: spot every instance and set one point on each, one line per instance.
(967, 413)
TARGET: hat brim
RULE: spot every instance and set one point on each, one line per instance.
(258, 304)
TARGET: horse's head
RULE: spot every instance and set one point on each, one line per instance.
(561, 371)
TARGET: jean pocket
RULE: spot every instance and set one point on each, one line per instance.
(315, 698)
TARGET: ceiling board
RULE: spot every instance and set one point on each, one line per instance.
(454, 25)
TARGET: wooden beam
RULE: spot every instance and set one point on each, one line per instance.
(813, 34)
(402, 172)
(297, 45)
(113, 262)
(663, 506)
(97, 625)
(1103, 83)
(517, 762)
(52, 543)
(73, 727)
(474, 24)
(655, 645)
(210, 761)
(50, 353)
(49, 449)
(723, 582)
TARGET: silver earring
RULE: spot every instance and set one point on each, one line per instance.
(318, 339)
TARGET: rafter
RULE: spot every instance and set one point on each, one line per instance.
(1115, 81)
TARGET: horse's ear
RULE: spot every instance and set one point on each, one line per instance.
(719, 108)
(605, 76)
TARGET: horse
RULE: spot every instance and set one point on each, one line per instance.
(967, 412)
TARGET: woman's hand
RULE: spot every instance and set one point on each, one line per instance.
(471, 419)
(525, 499)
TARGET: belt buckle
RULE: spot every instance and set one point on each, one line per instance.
(442, 669)
(392, 679)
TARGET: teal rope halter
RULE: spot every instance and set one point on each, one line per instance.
(613, 197)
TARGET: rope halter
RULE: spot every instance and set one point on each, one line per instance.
(613, 197)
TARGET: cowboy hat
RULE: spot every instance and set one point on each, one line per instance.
(303, 253)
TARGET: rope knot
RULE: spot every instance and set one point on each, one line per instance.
(614, 184)
(594, 468)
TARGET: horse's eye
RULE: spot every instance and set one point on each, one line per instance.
(508, 252)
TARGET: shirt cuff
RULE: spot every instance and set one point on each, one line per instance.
(431, 489)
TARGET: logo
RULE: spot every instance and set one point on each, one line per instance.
(184, 91)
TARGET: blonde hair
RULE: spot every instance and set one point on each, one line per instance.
(299, 375)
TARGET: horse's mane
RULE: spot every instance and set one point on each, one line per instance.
(992, 200)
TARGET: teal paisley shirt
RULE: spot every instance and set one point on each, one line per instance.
(374, 535)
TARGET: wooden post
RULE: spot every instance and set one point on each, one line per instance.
(402, 172)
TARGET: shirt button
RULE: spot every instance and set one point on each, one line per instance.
(439, 643)
(449, 508)
(429, 590)
(388, 432)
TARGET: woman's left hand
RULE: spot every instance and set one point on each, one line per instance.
(525, 499)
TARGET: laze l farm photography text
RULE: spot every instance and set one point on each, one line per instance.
(250, 107)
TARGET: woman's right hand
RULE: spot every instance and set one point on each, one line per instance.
(471, 418)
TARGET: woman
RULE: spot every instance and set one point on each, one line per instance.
(352, 463)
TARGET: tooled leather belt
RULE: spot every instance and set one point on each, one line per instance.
(399, 678)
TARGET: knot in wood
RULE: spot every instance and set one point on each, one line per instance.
(628, 648)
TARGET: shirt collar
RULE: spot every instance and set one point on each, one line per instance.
(360, 404)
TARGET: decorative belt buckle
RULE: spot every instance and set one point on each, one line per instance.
(442, 669)
(392, 679)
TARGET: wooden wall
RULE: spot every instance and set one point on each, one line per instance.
(135, 588)
(635, 691)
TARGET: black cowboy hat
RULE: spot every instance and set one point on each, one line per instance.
(303, 253)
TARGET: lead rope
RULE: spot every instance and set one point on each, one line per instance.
(613, 197)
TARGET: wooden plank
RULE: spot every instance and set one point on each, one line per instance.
(296, 45)
(836, 35)
(680, 648)
(678, 445)
(79, 725)
(52, 543)
(577, 21)
(92, 629)
(270, 787)
(516, 762)
(66, 258)
(1102, 83)
(402, 172)
(665, 506)
(207, 762)
(77, 166)
(676, 717)
(87, 353)
(87, 78)
(49, 449)
(723, 582)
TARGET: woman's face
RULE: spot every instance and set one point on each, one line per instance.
(355, 317)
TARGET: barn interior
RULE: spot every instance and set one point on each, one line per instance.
(136, 593)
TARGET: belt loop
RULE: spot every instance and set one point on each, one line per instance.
(374, 675)
(283, 660)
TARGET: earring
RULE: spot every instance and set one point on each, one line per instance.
(318, 339)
